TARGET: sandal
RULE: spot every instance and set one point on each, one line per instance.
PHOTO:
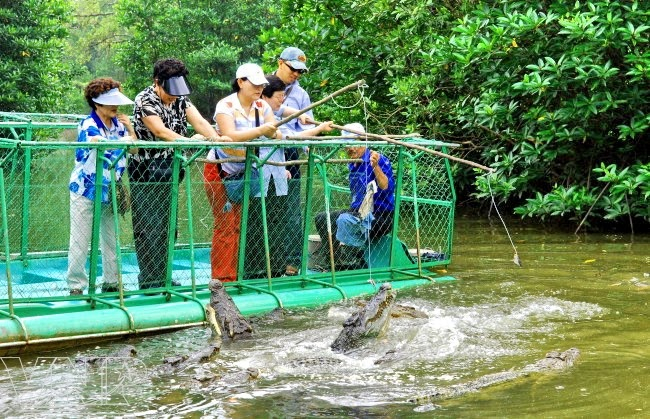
(291, 271)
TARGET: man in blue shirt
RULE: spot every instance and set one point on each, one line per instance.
(292, 64)
(371, 180)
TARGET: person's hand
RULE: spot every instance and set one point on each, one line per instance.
(374, 158)
(198, 137)
(125, 120)
(326, 126)
(288, 173)
(268, 130)
(305, 119)
(223, 139)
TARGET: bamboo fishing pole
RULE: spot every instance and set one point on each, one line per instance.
(413, 146)
(320, 102)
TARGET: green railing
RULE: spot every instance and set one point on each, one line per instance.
(37, 157)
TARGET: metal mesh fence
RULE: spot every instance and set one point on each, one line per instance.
(186, 229)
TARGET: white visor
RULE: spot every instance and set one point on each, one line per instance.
(113, 97)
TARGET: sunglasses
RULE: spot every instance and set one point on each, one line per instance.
(295, 70)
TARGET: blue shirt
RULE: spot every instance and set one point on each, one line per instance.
(82, 179)
(361, 174)
(296, 97)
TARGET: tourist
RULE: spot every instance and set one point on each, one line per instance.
(292, 64)
(279, 226)
(161, 113)
(103, 124)
(361, 223)
(242, 116)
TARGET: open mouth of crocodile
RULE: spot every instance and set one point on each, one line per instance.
(377, 311)
(370, 321)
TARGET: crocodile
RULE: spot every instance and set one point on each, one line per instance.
(126, 351)
(228, 379)
(224, 316)
(553, 361)
(400, 310)
(174, 363)
(369, 321)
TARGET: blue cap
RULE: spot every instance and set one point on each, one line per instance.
(295, 58)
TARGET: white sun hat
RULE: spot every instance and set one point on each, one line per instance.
(113, 97)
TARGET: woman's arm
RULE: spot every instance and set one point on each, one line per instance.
(226, 125)
(200, 125)
(323, 127)
(304, 119)
(159, 130)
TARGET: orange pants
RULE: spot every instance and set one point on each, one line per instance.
(227, 220)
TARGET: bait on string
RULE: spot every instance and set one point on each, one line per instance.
(515, 259)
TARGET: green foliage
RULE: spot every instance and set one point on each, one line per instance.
(211, 37)
(577, 99)
(340, 41)
(34, 76)
(543, 92)
(628, 192)
(552, 95)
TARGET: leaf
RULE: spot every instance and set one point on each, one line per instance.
(589, 261)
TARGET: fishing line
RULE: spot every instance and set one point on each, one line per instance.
(361, 88)
(515, 259)
(367, 144)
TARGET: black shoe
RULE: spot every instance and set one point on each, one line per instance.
(158, 285)
(76, 292)
(110, 288)
(149, 294)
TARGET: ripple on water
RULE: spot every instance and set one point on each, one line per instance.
(455, 343)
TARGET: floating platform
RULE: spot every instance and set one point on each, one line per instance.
(62, 320)
(37, 311)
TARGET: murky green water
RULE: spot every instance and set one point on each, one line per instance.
(589, 292)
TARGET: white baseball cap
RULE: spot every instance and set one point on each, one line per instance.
(253, 73)
(113, 97)
(353, 126)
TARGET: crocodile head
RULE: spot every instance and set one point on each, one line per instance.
(369, 321)
(555, 361)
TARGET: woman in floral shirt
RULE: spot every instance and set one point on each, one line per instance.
(103, 124)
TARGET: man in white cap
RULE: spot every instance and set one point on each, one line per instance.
(370, 216)
(292, 64)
